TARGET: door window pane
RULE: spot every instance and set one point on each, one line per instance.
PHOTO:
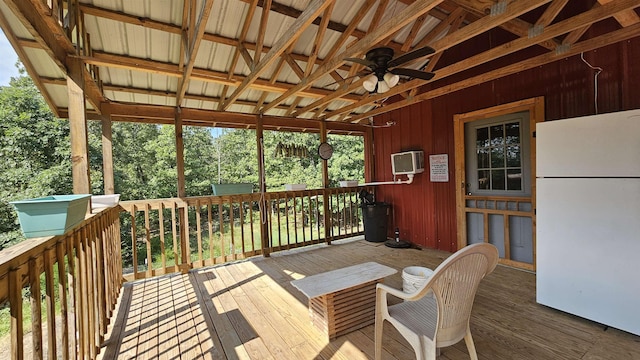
(482, 137)
(497, 180)
(499, 156)
(483, 180)
(512, 133)
(513, 156)
(514, 179)
(483, 158)
(497, 135)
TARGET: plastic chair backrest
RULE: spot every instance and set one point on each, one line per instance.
(454, 284)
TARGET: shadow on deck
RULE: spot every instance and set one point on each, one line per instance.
(249, 310)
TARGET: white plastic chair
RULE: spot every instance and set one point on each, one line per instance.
(432, 322)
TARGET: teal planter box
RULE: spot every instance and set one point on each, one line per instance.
(231, 189)
(51, 215)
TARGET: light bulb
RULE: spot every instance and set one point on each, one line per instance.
(370, 83)
(382, 87)
(391, 79)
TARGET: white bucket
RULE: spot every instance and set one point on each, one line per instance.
(413, 277)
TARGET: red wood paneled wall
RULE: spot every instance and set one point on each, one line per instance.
(425, 212)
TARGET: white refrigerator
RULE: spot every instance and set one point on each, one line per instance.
(588, 217)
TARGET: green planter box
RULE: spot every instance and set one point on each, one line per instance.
(231, 189)
(51, 215)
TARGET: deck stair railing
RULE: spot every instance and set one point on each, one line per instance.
(64, 288)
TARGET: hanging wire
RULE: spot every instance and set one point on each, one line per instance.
(595, 80)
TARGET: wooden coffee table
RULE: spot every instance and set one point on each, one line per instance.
(343, 300)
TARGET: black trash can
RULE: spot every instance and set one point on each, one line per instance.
(375, 217)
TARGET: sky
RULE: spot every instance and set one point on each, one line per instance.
(8, 59)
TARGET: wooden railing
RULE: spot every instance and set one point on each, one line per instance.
(170, 235)
(74, 279)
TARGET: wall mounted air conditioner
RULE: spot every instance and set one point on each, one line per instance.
(407, 163)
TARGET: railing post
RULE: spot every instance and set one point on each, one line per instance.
(264, 225)
(185, 258)
(325, 185)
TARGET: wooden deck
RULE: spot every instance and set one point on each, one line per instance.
(249, 310)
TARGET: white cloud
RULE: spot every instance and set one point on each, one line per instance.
(7, 62)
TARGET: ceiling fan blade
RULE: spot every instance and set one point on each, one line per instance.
(361, 62)
(411, 55)
(413, 73)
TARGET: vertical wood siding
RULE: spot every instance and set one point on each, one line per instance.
(425, 212)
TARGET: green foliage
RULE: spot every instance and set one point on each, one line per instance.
(35, 152)
(35, 148)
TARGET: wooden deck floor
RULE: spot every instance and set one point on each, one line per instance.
(249, 310)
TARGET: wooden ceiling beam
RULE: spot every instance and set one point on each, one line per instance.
(417, 25)
(192, 50)
(170, 69)
(157, 114)
(35, 17)
(335, 26)
(261, 32)
(583, 46)
(313, 10)
(151, 92)
(463, 34)
(409, 14)
(18, 47)
(596, 14)
(551, 12)
(624, 18)
(514, 26)
(174, 29)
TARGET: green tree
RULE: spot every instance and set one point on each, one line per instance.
(35, 152)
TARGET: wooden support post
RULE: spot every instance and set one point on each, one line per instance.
(182, 192)
(264, 221)
(325, 185)
(185, 253)
(78, 132)
(368, 155)
(107, 154)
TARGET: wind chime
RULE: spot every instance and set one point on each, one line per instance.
(287, 150)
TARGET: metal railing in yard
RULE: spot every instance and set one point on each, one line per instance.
(171, 235)
(72, 280)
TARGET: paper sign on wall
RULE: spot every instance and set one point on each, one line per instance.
(439, 166)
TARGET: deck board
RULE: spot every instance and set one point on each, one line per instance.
(250, 310)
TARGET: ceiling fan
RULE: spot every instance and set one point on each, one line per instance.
(384, 71)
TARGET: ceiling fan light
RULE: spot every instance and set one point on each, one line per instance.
(391, 79)
(382, 87)
(370, 83)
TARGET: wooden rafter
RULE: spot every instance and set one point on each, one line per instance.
(170, 69)
(311, 12)
(34, 16)
(625, 18)
(192, 50)
(586, 45)
(447, 42)
(264, 19)
(173, 29)
(409, 14)
(28, 65)
(296, 85)
(516, 26)
(576, 22)
(551, 12)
